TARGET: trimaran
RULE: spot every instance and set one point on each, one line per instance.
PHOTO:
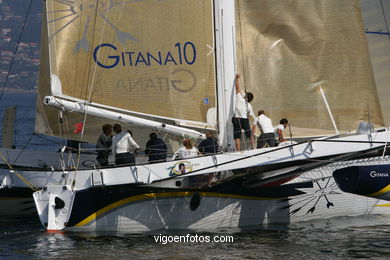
(169, 66)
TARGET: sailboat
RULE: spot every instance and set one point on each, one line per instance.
(169, 66)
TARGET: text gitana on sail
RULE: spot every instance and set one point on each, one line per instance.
(180, 54)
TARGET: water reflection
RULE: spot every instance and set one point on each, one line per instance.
(324, 239)
(52, 245)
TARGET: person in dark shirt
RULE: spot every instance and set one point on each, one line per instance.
(208, 146)
(103, 145)
(156, 149)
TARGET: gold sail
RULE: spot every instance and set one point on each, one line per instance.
(288, 49)
(153, 58)
(377, 34)
(129, 55)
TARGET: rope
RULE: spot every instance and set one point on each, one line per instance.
(242, 49)
(384, 150)
(30, 107)
(289, 128)
(24, 147)
(245, 141)
(16, 50)
(266, 153)
(24, 180)
(158, 212)
(47, 139)
(94, 73)
(90, 90)
(384, 17)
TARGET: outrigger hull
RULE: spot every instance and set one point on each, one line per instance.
(372, 181)
(16, 202)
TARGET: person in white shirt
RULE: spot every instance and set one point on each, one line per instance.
(186, 151)
(122, 146)
(267, 135)
(279, 130)
(240, 120)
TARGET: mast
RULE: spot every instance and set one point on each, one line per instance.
(225, 38)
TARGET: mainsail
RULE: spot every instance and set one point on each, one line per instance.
(127, 56)
(153, 59)
(377, 24)
(288, 49)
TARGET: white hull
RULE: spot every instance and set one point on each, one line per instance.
(106, 200)
(218, 213)
(251, 161)
(325, 200)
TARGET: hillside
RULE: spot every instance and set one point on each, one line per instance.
(23, 76)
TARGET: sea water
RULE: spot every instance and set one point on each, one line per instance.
(334, 239)
(24, 123)
(366, 237)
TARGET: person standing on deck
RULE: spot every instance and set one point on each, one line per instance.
(122, 146)
(267, 135)
(209, 145)
(103, 145)
(156, 149)
(240, 120)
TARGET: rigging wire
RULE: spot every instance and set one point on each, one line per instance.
(22, 150)
(32, 135)
(76, 50)
(43, 137)
(95, 65)
(384, 150)
(21, 177)
(7, 77)
(89, 99)
(244, 69)
(241, 41)
(16, 50)
(90, 90)
(266, 153)
(384, 17)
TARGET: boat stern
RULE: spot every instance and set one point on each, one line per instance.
(54, 205)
